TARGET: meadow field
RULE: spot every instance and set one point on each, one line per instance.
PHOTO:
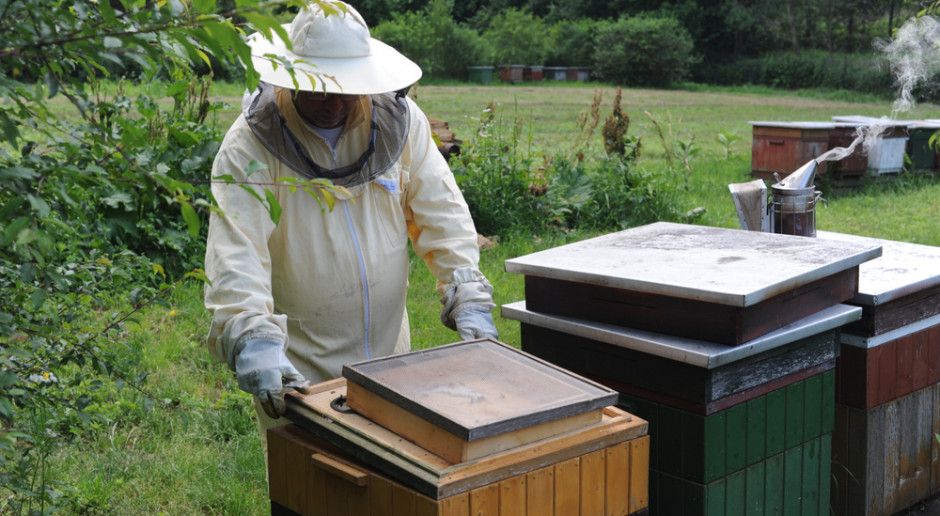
(197, 451)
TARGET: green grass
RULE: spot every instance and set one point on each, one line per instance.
(197, 451)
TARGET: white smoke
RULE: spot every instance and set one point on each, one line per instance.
(914, 55)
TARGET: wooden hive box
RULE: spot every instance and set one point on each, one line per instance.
(470, 399)
(335, 462)
(721, 285)
(783, 147)
(888, 384)
(730, 427)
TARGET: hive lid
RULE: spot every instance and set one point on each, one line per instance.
(902, 269)
(479, 388)
(725, 266)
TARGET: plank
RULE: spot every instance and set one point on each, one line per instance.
(923, 414)
(380, 496)
(512, 496)
(892, 458)
(639, 473)
(933, 354)
(795, 395)
(754, 490)
(618, 479)
(593, 483)
(484, 501)
(919, 362)
(935, 445)
(812, 458)
(457, 505)
(792, 481)
(277, 466)
(907, 450)
(567, 487)
(540, 490)
(887, 372)
(403, 501)
(905, 378)
(774, 485)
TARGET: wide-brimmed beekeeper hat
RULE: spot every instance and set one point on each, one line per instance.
(332, 52)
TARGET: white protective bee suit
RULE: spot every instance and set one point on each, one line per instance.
(330, 285)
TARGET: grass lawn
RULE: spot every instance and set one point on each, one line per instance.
(197, 451)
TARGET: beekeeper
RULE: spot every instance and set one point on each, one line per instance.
(293, 301)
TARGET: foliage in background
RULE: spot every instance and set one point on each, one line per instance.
(643, 51)
(517, 37)
(572, 42)
(432, 39)
(512, 190)
(103, 200)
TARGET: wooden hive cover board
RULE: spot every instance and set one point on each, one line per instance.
(474, 389)
(718, 284)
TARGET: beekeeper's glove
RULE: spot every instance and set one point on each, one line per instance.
(475, 324)
(467, 304)
(262, 369)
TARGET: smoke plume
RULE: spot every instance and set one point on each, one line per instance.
(914, 55)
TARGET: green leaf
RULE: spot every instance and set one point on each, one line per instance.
(204, 6)
(52, 84)
(8, 378)
(255, 166)
(38, 298)
(40, 205)
(6, 409)
(198, 274)
(14, 229)
(9, 128)
(274, 207)
(191, 218)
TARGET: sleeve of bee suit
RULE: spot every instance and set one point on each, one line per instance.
(439, 224)
(238, 263)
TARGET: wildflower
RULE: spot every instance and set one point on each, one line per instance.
(45, 377)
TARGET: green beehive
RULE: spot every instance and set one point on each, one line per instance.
(923, 158)
(480, 74)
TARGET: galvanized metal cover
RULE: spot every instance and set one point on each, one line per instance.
(699, 353)
(902, 269)
(479, 388)
(719, 265)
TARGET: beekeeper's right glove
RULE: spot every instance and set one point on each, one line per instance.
(262, 369)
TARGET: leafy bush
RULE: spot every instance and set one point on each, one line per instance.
(516, 36)
(573, 43)
(859, 73)
(432, 39)
(643, 51)
(511, 192)
(102, 203)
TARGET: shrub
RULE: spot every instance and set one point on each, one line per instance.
(511, 192)
(573, 43)
(432, 39)
(517, 37)
(643, 51)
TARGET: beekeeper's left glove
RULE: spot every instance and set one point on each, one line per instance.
(475, 324)
(262, 369)
(467, 304)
